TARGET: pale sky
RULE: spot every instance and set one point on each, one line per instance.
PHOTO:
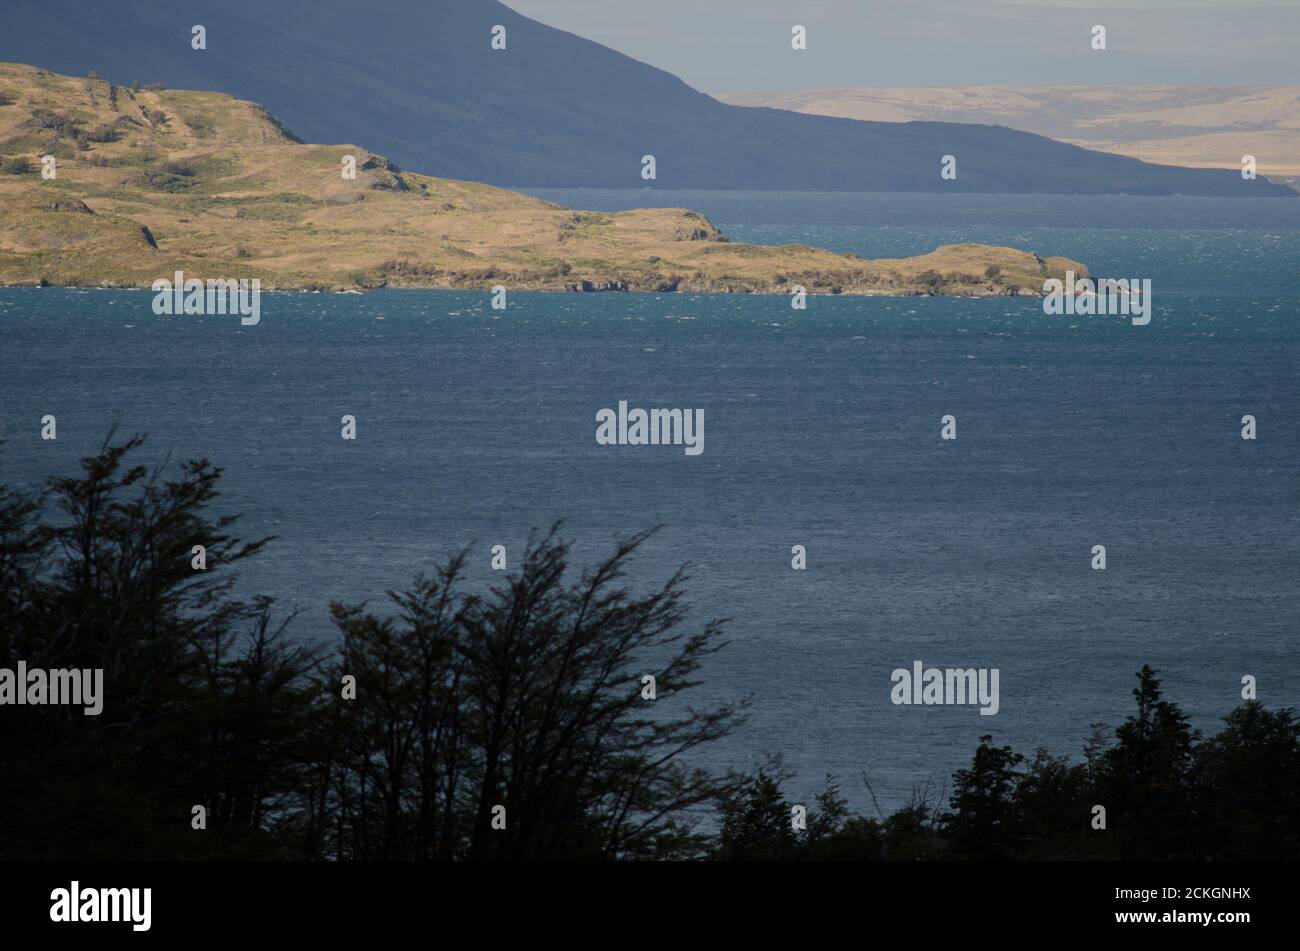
(744, 45)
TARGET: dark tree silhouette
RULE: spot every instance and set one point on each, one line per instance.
(508, 724)
(529, 698)
(1145, 781)
(1249, 775)
(95, 572)
(985, 823)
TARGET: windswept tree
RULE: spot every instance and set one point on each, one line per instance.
(546, 717)
(522, 723)
(97, 571)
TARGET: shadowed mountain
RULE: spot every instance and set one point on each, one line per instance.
(1192, 126)
(417, 80)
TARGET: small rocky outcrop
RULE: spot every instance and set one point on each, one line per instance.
(74, 205)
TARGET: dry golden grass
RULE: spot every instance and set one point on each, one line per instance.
(150, 182)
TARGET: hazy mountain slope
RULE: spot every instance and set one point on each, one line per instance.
(1199, 126)
(418, 81)
(744, 45)
(152, 182)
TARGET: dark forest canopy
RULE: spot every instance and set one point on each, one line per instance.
(528, 696)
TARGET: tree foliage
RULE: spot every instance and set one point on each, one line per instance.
(506, 724)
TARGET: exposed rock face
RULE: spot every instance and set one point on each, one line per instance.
(378, 161)
(75, 205)
(390, 183)
(588, 287)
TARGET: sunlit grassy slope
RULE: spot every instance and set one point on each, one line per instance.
(153, 181)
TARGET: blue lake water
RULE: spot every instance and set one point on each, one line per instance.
(821, 429)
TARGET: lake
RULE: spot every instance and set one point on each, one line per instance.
(822, 430)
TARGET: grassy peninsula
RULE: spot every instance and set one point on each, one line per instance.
(149, 181)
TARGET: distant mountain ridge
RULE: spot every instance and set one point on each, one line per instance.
(1192, 126)
(418, 81)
